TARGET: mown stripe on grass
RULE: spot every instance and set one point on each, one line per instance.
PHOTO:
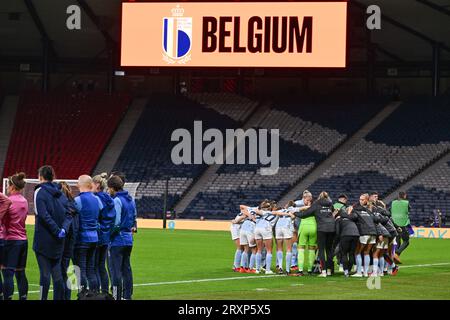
(244, 277)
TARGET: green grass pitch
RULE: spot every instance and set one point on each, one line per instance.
(181, 264)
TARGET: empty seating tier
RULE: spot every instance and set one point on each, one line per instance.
(69, 132)
(430, 193)
(410, 139)
(308, 134)
(146, 158)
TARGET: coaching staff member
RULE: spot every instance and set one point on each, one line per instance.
(49, 235)
(400, 209)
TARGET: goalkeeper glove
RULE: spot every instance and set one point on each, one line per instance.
(62, 234)
(115, 230)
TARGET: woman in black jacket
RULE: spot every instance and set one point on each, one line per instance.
(349, 237)
(322, 209)
(71, 226)
(49, 233)
(366, 223)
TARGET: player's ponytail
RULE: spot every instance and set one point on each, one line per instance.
(18, 181)
(65, 188)
(324, 195)
(265, 205)
(101, 180)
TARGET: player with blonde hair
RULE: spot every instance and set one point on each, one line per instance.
(105, 223)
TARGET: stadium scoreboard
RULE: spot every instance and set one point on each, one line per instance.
(218, 34)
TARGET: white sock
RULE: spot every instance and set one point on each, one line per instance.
(366, 264)
(382, 262)
(375, 266)
(268, 261)
(288, 260)
(280, 259)
(237, 258)
(258, 260)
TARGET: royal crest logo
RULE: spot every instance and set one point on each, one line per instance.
(177, 37)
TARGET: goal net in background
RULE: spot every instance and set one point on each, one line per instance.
(31, 184)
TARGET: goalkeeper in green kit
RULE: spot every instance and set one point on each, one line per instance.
(307, 243)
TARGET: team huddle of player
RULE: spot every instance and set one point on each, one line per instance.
(94, 230)
(362, 236)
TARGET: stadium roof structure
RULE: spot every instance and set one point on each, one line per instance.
(409, 27)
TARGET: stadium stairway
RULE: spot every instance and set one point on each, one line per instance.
(190, 195)
(339, 152)
(146, 159)
(121, 136)
(420, 178)
(7, 115)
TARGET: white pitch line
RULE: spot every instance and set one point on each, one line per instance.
(184, 281)
(33, 292)
(259, 277)
(249, 277)
(201, 280)
(425, 265)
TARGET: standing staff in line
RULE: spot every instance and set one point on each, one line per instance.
(71, 225)
(4, 205)
(122, 239)
(16, 244)
(400, 209)
(88, 207)
(49, 234)
(105, 225)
